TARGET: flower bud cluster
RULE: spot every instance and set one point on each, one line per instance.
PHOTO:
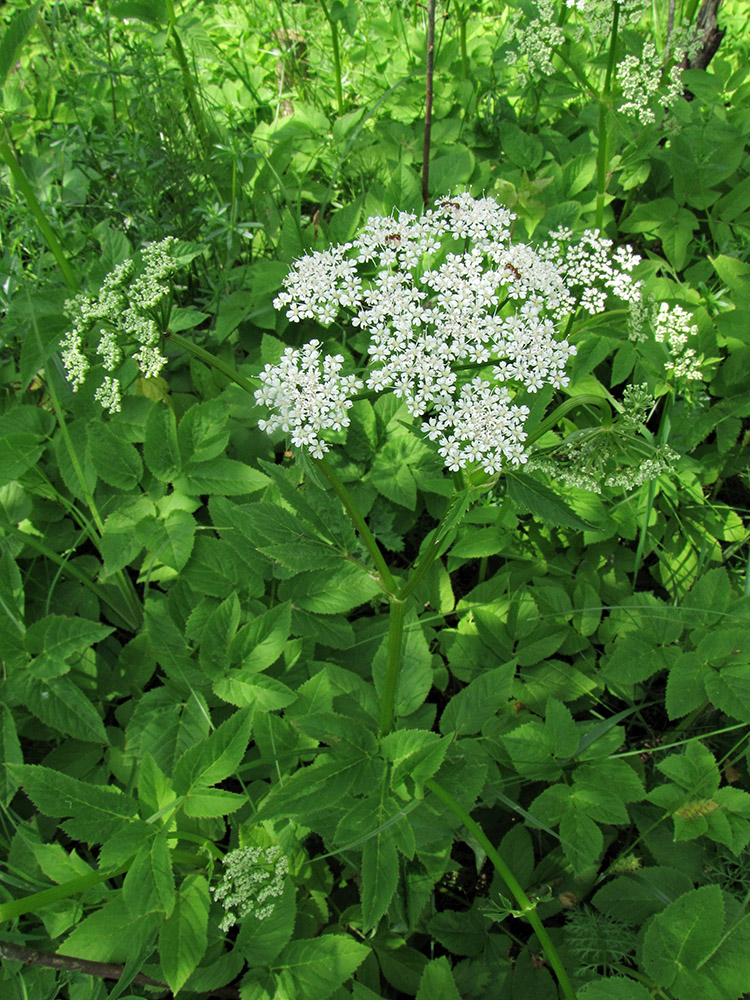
(439, 295)
(252, 881)
(118, 317)
(672, 326)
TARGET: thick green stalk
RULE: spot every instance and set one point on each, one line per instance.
(602, 156)
(393, 664)
(585, 399)
(511, 882)
(37, 211)
(336, 56)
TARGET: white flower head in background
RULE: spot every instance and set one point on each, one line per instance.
(119, 316)
(252, 881)
(441, 296)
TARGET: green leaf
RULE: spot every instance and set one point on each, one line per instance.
(636, 897)
(217, 633)
(10, 753)
(379, 878)
(614, 988)
(109, 934)
(260, 941)
(479, 701)
(59, 703)
(683, 936)
(216, 757)
(262, 641)
(247, 689)
(204, 803)
(98, 811)
(202, 434)
(160, 449)
(149, 883)
(729, 690)
(19, 26)
(581, 838)
(415, 754)
(116, 461)
(56, 638)
(461, 933)
(415, 678)
(536, 498)
(562, 729)
(122, 538)
(522, 148)
(319, 966)
(695, 769)
(220, 475)
(437, 981)
(686, 684)
(183, 938)
(330, 593)
(171, 540)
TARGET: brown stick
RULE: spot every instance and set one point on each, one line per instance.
(428, 102)
(707, 25)
(103, 970)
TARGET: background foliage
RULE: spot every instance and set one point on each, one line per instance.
(193, 641)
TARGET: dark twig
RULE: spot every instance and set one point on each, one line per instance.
(102, 970)
(428, 102)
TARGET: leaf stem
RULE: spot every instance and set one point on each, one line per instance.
(511, 882)
(209, 359)
(602, 156)
(393, 664)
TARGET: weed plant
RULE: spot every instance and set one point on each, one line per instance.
(374, 574)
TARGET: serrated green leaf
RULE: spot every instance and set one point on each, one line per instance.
(171, 540)
(614, 988)
(19, 26)
(260, 941)
(533, 496)
(330, 593)
(109, 934)
(59, 703)
(437, 982)
(247, 689)
(149, 883)
(216, 757)
(202, 434)
(98, 811)
(204, 803)
(684, 935)
(160, 448)
(183, 938)
(415, 754)
(58, 637)
(10, 754)
(379, 877)
(479, 701)
(261, 642)
(319, 966)
(116, 461)
(220, 475)
(581, 838)
(217, 633)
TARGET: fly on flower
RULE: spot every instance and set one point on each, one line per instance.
(462, 322)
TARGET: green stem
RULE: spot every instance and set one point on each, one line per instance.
(37, 211)
(336, 56)
(386, 579)
(511, 882)
(393, 664)
(33, 542)
(38, 900)
(602, 156)
(585, 399)
(662, 436)
(209, 359)
(196, 112)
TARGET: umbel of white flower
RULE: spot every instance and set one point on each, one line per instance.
(460, 320)
(118, 318)
(252, 881)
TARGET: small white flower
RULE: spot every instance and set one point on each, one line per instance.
(253, 879)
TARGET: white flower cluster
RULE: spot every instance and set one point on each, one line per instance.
(252, 881)
(120, 314)
(641, 81)
(538, 35)
(673, 326)
(446, 292)
(308, 397)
